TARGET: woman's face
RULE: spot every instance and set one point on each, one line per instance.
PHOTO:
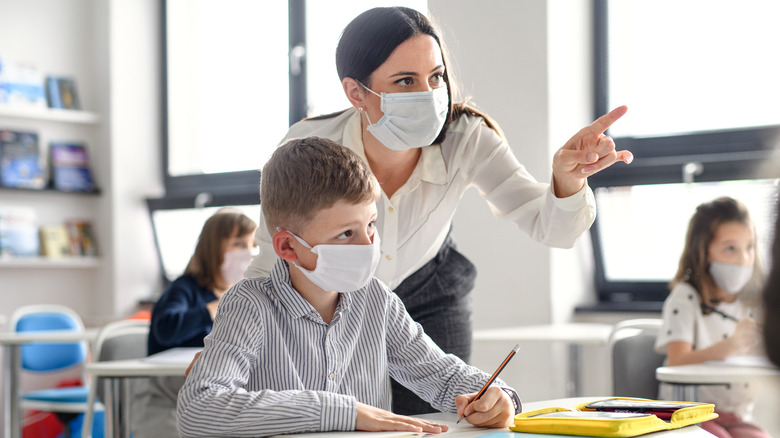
(733, 243)
(415, 65)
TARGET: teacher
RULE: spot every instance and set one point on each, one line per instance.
(426, 150)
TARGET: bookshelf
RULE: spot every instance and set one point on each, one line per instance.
(48, 114)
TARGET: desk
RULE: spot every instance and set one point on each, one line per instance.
(574, 334)
(173, 362)
(685, 379)
(11, 345)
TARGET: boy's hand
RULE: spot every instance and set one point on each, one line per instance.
(373, 419)
(494, 409)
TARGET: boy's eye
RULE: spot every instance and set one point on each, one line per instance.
(345, 235)
(371, 225)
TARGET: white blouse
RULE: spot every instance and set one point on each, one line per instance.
(414, 222)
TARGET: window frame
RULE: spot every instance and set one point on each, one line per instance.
(227, 188)
(731, 154)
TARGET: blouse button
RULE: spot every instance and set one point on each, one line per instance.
(388, 257)
(391, 209)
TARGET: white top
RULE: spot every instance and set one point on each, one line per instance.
(684, 321)
(415, 221)
(580, 333)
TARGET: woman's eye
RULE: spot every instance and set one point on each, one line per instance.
(405, 82)
(437, 80)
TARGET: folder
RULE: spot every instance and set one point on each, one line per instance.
(614, 417)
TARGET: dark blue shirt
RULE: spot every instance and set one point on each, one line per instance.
(180, 317)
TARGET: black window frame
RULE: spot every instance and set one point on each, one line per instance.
(732, 154)
(228, 188)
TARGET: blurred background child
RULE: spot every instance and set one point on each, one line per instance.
(711, 312)
(185, 312)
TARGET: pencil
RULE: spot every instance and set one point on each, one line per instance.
(719, 312)
(492, 378)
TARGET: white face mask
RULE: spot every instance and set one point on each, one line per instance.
(411, 120)
(234, 264)
(730, 277)
(342, 268)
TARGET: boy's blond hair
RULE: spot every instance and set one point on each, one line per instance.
(310, 174)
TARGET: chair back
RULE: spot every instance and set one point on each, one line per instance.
(41, 357)
(634, 359)
(119, 340)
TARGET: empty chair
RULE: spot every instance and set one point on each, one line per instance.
(634, 359)
(117, 341)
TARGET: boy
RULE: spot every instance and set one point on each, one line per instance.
(312, 347)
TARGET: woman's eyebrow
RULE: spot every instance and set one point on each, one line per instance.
(413, 73)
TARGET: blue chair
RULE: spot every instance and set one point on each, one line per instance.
(66, 402)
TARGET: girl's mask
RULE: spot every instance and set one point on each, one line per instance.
(342, 268)
(234, 264)
(730, 277)
(411, 120)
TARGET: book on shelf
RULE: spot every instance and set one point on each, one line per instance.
(18, 232)
(21, 85)
(61, 93)
(20, 161)
(55, 242)
(70, 167)
(81, 235)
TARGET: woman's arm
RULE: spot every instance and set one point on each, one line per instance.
(263, 262)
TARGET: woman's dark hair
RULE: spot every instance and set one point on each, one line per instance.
(694, 261)
(371, 37)
(772, 300)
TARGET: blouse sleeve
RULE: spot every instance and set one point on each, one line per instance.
(264, 261)
(514, 194)
(679, 317)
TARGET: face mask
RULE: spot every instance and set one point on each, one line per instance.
(342, 268)
(411, 120)
(730, 277)
(234, 264)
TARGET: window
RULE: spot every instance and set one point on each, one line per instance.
(699, 78)
(237, 74)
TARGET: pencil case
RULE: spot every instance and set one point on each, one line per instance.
(614, 417)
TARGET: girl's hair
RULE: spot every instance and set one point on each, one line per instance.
(371, 37)
(307, 175)
(694, 262)
(206, 262)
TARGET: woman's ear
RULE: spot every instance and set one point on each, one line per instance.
(354, 92)
(282, 246)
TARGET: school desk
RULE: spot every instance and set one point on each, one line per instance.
(685, 379)
(11, 345)
(576, 335)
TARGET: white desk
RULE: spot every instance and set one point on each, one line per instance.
(173, 362)
(574, 334)
(685, 379)
(11, 343)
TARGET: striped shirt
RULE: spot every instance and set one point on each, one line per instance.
(272, 365)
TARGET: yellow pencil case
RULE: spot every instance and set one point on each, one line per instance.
(614, 417)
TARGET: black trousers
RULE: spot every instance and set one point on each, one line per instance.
(438, 296)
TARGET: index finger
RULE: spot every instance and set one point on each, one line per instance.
(604, 122)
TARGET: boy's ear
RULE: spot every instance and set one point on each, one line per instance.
(354, 92)
(282, 247)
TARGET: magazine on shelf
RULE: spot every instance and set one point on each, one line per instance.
(70, 167)
(61, 93)
(20, 161)
(18, 232)
(55, 242)
(21, 85)
(81, 235)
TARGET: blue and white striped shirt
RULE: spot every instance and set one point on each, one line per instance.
(272, 365)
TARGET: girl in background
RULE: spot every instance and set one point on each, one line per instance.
(185, 312)
(711, 311)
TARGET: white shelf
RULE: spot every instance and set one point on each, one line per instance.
(56, 115)
(46, 262)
